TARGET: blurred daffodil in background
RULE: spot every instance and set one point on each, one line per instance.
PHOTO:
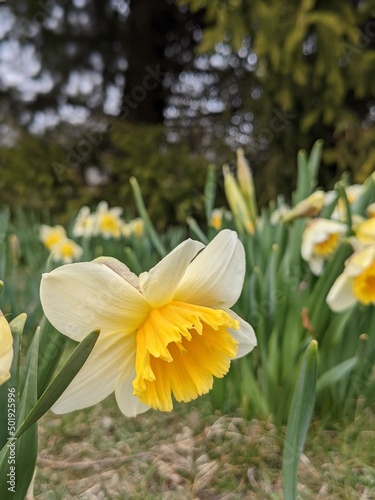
(108, 221)
(50, 235)
(356, 283)
(320, 239)
(168, 331)
(308, 207)
(66, 251)
(84, 224)
(6, 349)
(365, 231)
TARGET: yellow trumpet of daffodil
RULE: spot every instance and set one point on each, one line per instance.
(6, 349)
(168, 331)
(356, 283)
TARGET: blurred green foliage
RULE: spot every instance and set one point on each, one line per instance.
(52, 173)
(313, 79)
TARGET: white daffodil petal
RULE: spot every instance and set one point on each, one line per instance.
(112, 357)
(215, 277)
(160, 283)
(245, 336)
(341, 295)
(359, 261)
(129, 404)
(316, 266)
(78, 298)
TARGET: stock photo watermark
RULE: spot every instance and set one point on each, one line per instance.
(11, 440)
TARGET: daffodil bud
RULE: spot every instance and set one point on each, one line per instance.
(236, 202)
(246, 183)
(306, 208)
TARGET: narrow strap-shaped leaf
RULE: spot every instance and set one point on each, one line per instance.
(210, 191)
(299, 419)
(196, 230)
(61, 381)
(158, 244)
(17, 462)
(337, 373)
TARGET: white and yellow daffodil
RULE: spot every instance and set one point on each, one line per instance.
(356, 283)
(50, 235)
(170, 331)
(353, 192)
(66, 251)
(84, 225)
(365, 231)
(137, 227)
(108, 222)
(320, 239)
(6, 349)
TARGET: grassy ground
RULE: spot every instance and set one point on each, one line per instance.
(190, 454)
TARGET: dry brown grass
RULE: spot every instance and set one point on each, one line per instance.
(189, 454)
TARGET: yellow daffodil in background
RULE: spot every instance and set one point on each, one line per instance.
(168, 331)
(371, 210)
(108, 220)
(320, 239)
(216, 219)
(308, 207)
(66, 251)
(365, 231)
(137, 226)
(6, 349)
(84, 225)
(50, 235)
(356, 283)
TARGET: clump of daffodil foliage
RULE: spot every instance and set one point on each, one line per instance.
(310, 276)
(241, 309)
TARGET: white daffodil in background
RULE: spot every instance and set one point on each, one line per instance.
(170, 331)
(50, 235)
(108, 222)
(365, 231)
(137, 227)
(353, 192)
(66, 251)
(356, 283)
(6, 349)
(320, 239)
(84, 225)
